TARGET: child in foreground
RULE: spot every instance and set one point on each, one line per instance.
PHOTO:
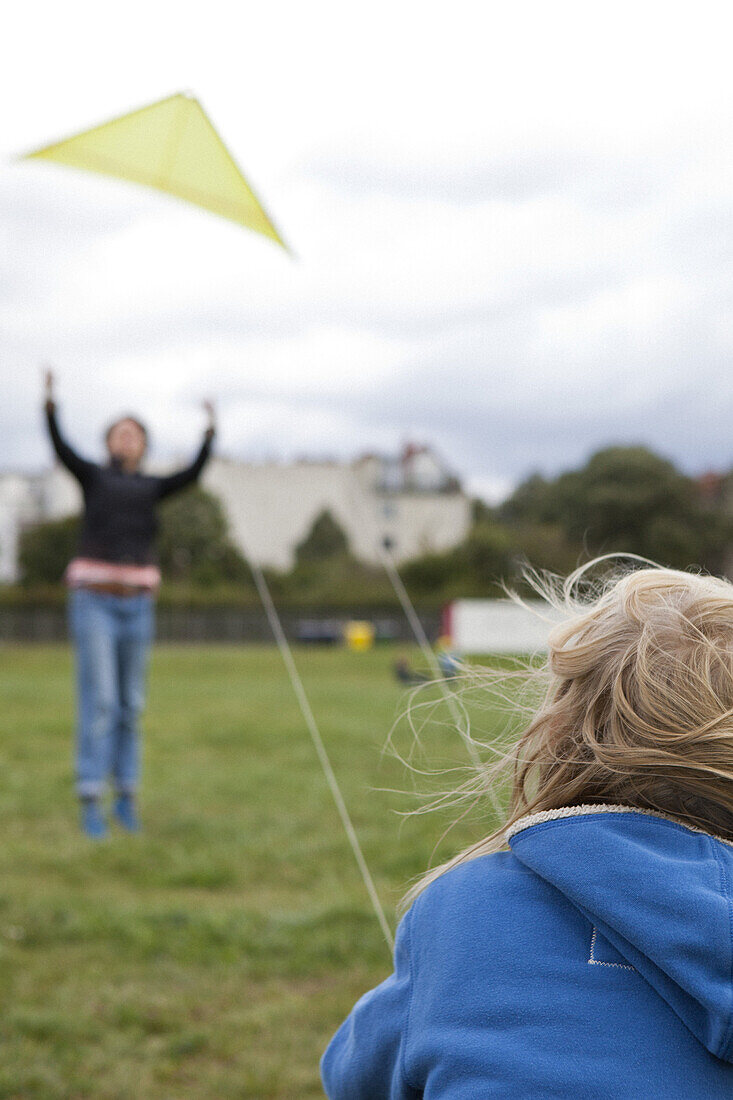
(585, 949)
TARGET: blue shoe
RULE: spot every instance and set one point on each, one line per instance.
(126, 814)
(92, 819)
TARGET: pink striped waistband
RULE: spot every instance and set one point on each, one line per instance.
(81, 572)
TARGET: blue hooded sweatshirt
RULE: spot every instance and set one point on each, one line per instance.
(592, 961)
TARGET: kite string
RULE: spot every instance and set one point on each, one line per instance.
(390, 567)
(297, 684)
(388, 563)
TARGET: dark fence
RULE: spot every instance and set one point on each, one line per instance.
(221, 624)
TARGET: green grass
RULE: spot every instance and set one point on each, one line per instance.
(213, 955)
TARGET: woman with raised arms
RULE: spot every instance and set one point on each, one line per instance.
(112, 584)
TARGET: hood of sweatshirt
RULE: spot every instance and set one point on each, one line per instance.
(660, 892)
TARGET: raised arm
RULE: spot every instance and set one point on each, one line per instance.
(80, 467)
(175, 482)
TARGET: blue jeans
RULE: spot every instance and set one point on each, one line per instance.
(112, 636)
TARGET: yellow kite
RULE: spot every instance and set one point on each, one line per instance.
(170, 145)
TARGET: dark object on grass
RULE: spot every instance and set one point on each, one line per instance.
(407, 675)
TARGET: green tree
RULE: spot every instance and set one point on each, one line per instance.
(486, 556)
(543, 546)
(474, 568)
(194, 543)
(45, 550)
(325, 540)
(430, 574)
(533, 501)
(626, 499)
(481, 512)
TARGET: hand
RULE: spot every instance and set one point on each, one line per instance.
(49, 382)
(211, 416)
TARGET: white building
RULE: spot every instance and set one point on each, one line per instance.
(411, 500)
(19, 504)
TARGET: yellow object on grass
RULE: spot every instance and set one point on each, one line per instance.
(172, 146)
(359, 635)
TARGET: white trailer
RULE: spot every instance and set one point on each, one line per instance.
(499, 626)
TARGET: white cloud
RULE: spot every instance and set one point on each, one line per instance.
(511, 230)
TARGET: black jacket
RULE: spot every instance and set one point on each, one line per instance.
(119, 523)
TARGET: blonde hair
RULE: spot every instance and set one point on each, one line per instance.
(637, 708)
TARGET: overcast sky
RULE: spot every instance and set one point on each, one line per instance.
(512, 224)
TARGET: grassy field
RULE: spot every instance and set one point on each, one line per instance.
(213, 955)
